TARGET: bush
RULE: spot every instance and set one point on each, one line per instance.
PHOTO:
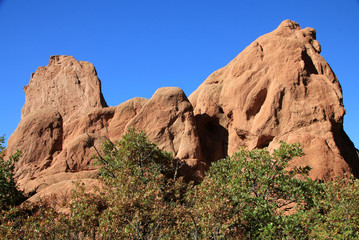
(143, 194)
(10, 195)
(250, 195)
(335, 214)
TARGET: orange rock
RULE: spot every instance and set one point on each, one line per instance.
(167, 118)
(63, 107)
(69, 86)
(123, 114)
(278, 88)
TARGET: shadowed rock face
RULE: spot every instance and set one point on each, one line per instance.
(278, 88)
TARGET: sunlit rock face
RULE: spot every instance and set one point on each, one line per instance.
(278, 89)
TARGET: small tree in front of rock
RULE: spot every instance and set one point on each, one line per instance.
(10, 195)
(143, 194)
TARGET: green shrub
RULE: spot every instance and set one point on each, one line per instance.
(10, 195)
(335, 215)
(250, 195)
(247, 195)
(143, 195)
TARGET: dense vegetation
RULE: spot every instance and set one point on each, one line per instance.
(250, 195)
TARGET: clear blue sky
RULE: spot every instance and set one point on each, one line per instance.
(139, 46)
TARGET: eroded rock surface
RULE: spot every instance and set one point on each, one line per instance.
(168, 120)
(65, 117)
(69, 86)
(63, 107)
(278, 88)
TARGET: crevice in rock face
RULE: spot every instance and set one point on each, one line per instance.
(241, 133)
(264, 141)
(57, 145)
(213, 137)
(346, 148)
(257, 104)
(280, 101)
(309, 66)
(280, 106)
(220, 110)
(55, 130)
(230, 116)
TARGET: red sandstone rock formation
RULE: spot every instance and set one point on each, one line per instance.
(278, 88)
(65, 115)
(69, 86)
(63, 102)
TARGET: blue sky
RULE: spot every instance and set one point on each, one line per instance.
(140, 46)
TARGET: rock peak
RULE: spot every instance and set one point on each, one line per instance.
(66, 85)
(289, 24)
(57, 59)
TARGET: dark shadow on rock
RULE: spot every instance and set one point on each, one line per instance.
(213, 137)
(309, 66)
(346, 148)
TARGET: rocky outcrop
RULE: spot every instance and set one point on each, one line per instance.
(278, 88)
(57, 137)
(63, 107)
(69, 86)
(168, 120)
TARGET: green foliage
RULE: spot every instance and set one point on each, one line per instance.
(336, 211)
(247, 194)
(37, 221)
(136, 156)
(250, 195)
(10, 195)
(142, 192)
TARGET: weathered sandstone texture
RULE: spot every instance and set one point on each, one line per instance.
(278, 88)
